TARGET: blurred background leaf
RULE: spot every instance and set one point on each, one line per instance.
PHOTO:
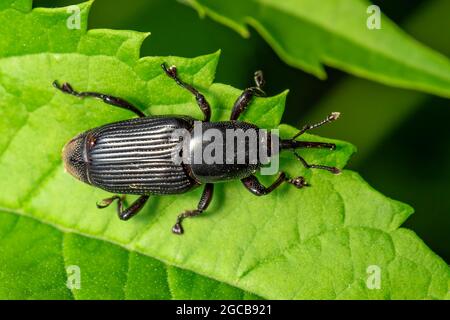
(309, 33)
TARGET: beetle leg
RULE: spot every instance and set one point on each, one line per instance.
(114, 101)
(203, 204)
(245, 98)
(316, 166)
(257, 188)
(129, 212)
(200, 98)
(298, 182)
(106, 202)
(254, 186)
(133, 209)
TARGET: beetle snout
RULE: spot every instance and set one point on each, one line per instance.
(74, 159)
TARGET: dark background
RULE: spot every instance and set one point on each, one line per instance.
(402, 136)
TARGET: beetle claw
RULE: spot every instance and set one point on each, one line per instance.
(104, 203)
(177, 228)
(171, 71)
(298, 182)
(335, 171)
(67, 87)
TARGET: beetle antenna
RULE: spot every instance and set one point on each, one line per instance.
(332, 117)
(293, 144)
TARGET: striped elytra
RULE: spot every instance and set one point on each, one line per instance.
(136, 156)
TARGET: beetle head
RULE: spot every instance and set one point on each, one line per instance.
(74, 157)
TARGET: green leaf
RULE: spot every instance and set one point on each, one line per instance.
(107, 270)
(313, 243)
(388, 107)
(307, 34)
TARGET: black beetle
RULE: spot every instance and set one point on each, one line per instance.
(135, 156)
